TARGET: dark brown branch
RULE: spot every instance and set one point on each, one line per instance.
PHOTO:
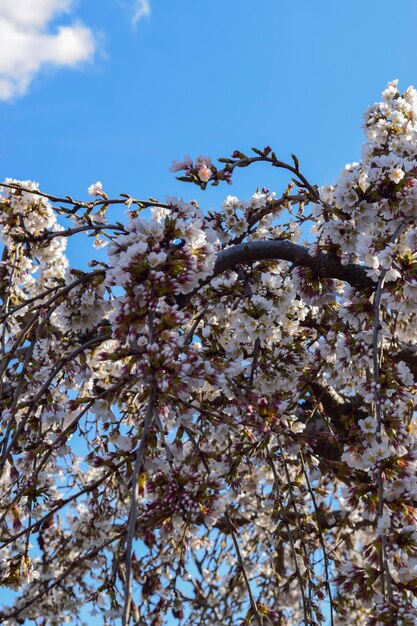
(336, 407)
(324, 265)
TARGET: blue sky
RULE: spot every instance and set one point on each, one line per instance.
(88, 92)
(203, 77)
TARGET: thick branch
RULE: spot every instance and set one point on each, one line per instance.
(336, 407)
(324, 265)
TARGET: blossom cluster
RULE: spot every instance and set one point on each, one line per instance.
(24, 218)
(202, 169)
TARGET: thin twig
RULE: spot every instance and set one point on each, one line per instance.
(62, 577)
(68, 358)
(87, 205)
(321, 539)
(376, 355)
(277, 485)
(243, 569)
(140, 452)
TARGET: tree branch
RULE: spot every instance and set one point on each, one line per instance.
(324, 265)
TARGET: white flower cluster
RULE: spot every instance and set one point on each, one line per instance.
(84, 307)
(202, 168)
(375, 200)
(148, 256)
(24, 216)
(154, 262)
(368, 217)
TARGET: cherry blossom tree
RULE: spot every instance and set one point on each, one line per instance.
(216, 424)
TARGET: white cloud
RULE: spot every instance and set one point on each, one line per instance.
(26, 46)
(142, 8)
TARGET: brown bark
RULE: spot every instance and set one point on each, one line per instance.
(324, 265)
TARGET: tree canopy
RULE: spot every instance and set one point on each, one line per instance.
(216, 424)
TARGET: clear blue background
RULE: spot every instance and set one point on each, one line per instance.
(209, 77)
